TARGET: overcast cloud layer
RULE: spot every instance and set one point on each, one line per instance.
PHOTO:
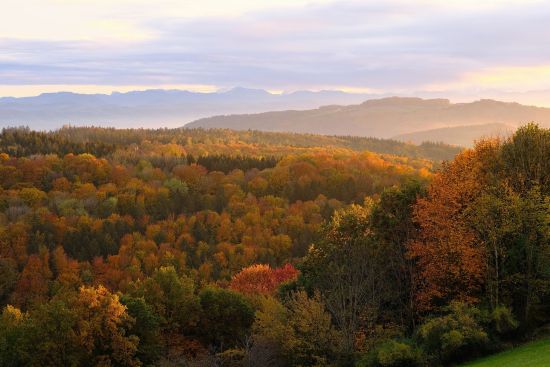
(400, 46)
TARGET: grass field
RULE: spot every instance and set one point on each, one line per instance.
(534, 354)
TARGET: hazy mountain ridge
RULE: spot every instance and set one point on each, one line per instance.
(244, 108)
(384, 118)
(154, 108)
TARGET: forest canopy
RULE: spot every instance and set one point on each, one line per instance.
(221, 248)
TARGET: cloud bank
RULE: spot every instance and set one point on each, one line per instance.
(393, 45)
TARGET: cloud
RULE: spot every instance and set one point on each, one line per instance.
(391, 45)
(504, 78)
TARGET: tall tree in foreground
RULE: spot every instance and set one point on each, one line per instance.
(393, 227)
(485, 228)
(450, 264)
(526, 169)
(346, 267)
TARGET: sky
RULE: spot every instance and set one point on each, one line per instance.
(455, 47)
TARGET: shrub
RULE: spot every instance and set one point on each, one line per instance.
(392, 353)
(503, 321)
(455, 335)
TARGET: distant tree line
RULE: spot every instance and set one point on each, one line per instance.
(21, 142)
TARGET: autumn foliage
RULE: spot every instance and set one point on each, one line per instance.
(220, 248)
(262, 279)
(483, 227)
(450, 264)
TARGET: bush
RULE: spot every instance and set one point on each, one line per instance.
(503, 321)
(455, 335)
(393, 354)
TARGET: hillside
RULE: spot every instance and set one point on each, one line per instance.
(170, 247)
(460, 135)
(214, 141)
(534, 354)
(383, 118)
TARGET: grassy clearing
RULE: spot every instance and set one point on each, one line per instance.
(534, 354)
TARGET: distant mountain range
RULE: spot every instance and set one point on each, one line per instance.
(392, 117)
(402, 118)
(154, 108)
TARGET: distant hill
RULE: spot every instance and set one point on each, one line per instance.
(460, 135)
(383, 118)
(154, 108)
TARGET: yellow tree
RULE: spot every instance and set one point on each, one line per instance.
(101, 327)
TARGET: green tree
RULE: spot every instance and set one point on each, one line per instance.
(171, 296)
(146, 328)
(347, 268)
(226, 317)
(497, 222)
(526, 159)
(393, 227)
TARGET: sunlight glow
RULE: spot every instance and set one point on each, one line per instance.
(501, 77)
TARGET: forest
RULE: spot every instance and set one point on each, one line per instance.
(199, 248)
